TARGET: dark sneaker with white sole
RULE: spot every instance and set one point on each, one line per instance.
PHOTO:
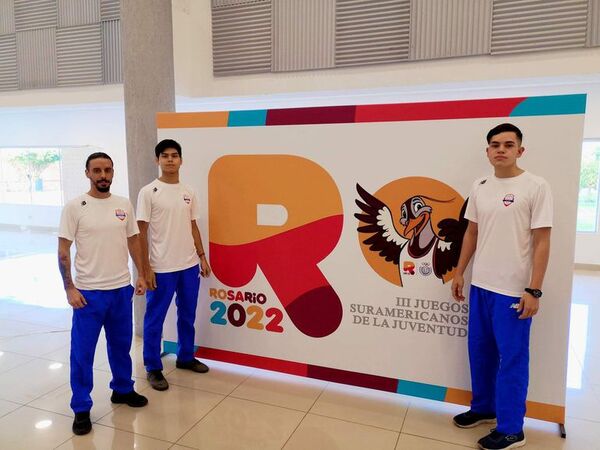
(157, 380)
(471, 419)
(500, 441)
(194, 365)
(132, 399)
(82, 423)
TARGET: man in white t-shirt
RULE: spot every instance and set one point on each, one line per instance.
(510, 219)
(104, 230)
(174, 259)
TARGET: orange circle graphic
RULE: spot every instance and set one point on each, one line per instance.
(445, 202)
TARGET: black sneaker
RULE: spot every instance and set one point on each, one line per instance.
(132, 399)
(499, 441)
(82, 423)
(194, 365)
(157, 380)
(471, 419)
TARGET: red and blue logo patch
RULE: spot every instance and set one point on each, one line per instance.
(120, 214)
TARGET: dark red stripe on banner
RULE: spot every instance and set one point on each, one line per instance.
(310, 116)
(353, 378)
(464, 109)
(261, 362)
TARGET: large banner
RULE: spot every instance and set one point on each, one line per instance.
(334, 232)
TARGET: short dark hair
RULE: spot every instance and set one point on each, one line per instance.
(165, 144)
(502, 128)
(97, 155)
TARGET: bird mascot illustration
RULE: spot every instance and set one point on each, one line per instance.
(414, 246)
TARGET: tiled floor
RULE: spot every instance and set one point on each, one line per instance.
(235, 407)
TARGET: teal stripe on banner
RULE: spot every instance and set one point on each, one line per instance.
(422, 390)
(551, 105)
(171, 347)
(255, 118)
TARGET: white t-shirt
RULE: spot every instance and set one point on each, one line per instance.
(169, 209)
(506, 210)
(100, 228)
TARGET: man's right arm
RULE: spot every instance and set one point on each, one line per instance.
(150, 275)
(74, 297)
(466, 253)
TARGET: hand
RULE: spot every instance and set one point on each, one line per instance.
(75, 299)
(205, 270)
(150, 279)
(140, 286)
(458, 283)
(528, 306)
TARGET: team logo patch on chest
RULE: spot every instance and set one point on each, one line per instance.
(425, 269)
(187, 198)
(120, 214)
(508, 199)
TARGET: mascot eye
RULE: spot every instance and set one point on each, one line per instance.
(404, 212)
(417, 205)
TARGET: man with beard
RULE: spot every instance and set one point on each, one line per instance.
(104, 229)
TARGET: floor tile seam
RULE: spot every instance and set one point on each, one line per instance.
(583, 419)
(402, 425)
(17, 353)
(267, 403)
(356, 423)
(295, 429)
(305, 414)
(38, 397)
(129, 431)
(62, 385)
(2, 416)
(198, 421)
(134, 433)
(2, 372)
(41, 408)
(114, 408)
(439, 440)
(174, 383)
(35, 333)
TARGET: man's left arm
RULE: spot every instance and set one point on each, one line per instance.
(530, 305)
(204, 266)
(135, 250)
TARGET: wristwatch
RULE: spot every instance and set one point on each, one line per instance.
(534, 292)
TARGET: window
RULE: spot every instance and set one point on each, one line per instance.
(30, 176)
(587, 210)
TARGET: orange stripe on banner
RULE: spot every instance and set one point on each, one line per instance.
(545, 411)
(192, 120)
(535, 410)
(458, 396)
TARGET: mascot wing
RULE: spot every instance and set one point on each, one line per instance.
(447, 249)
(384, 238)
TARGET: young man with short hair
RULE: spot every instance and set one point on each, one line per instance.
(104, 230)
(174, 260)
(510, 219)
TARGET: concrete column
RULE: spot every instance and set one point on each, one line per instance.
(149, 85)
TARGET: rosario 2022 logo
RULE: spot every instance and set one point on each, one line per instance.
(418, 217)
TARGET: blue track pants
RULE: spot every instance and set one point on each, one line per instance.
(185, 284)
(113, 310)
(499, 358)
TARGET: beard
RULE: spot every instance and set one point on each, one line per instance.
(104, 189)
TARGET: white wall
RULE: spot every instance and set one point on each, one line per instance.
(193, 66)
